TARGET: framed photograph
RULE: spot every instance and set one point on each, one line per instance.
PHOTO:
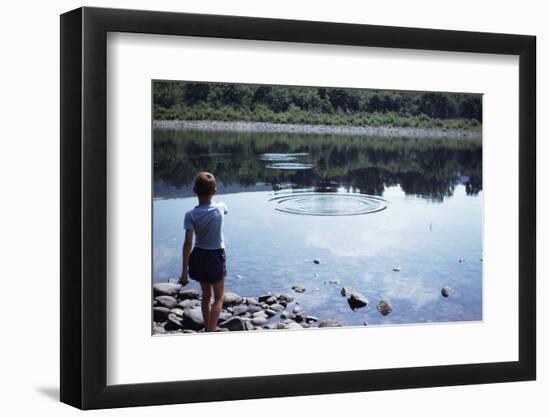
(256, 208)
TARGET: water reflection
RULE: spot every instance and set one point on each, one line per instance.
(427, 168)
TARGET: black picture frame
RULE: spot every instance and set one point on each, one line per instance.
(84, 207)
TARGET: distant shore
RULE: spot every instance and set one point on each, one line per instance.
(261, 127)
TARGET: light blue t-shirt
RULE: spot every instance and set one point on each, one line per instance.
(207, 222)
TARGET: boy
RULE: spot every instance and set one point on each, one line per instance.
(206, 263)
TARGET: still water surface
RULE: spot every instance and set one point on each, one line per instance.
(362, 206)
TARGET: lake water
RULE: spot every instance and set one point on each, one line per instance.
(361, 206)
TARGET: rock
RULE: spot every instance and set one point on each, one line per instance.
(189, 295)
(461, 260)
(292, 316)
(333, 281)
(271, 312)
(300, 317)
(277, 307)
(287, 298)
(365, 323)
(259, 321)
(261, 313)
(252, 301)
(317, 261)
(188, 304)
(173, 323)
(296, 309)
(345, 291)
(166, 301)
(330, 323)
(396, 268)
(192, 319)
(231, 299)
(305, 325)
(160, 313)
(299, 288)
(446, 291)
(254, 309)
(281, 325)
(240, 309)
(158, 330)
(271, 300)
(284, 315)
(222, 329)
(224, 315)
(188, 331)
(384, 307)
(238, 277)
(292, 326)
(166, 288)
(357, 300)
(155, 303)
(234, 324)
(177, 311)
(263, 298)
(248, 325)
(311, 319)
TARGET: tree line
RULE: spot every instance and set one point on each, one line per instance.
(175, 95)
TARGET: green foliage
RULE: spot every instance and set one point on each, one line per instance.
(331, 106)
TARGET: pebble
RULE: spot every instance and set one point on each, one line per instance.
(446, 291)
(384, 307)
(330, 323)
(299, 288)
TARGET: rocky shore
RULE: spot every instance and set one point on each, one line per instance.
(178, 310)
(260, 127)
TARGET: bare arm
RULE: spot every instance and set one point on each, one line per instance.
(186, 251)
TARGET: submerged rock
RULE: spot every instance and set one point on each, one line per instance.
(317, 261)
(166, 301)
(396, 268)
(345, 291)
(330, 323)
(446, 291)
(357, 300)
(299, 288)
(231, 299)
(166, 288)
(384, 307)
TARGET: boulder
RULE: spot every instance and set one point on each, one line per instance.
(166, 288)
(166, 301)
(299, 288)
(252, 301)
(174, 322)
(446, 291)
(357, 300)
(277, 307)
(330, 323)
(240, 310)
(160, 313)
(231, 299)
(189, 295)
(384, 307)
(188, 303)
(234, 324)
(177, 311)
(224, 315)
(287, 298)
(254, 309)
(192, 319)
(259, 321)
(261, 313)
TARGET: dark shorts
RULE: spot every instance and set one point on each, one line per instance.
(207, 265)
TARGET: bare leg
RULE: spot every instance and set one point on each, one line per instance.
(216, 307)
(205, 303)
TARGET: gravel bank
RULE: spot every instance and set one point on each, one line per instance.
(260, 127)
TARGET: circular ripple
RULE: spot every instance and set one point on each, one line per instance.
(289, 165)
(329, 204)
